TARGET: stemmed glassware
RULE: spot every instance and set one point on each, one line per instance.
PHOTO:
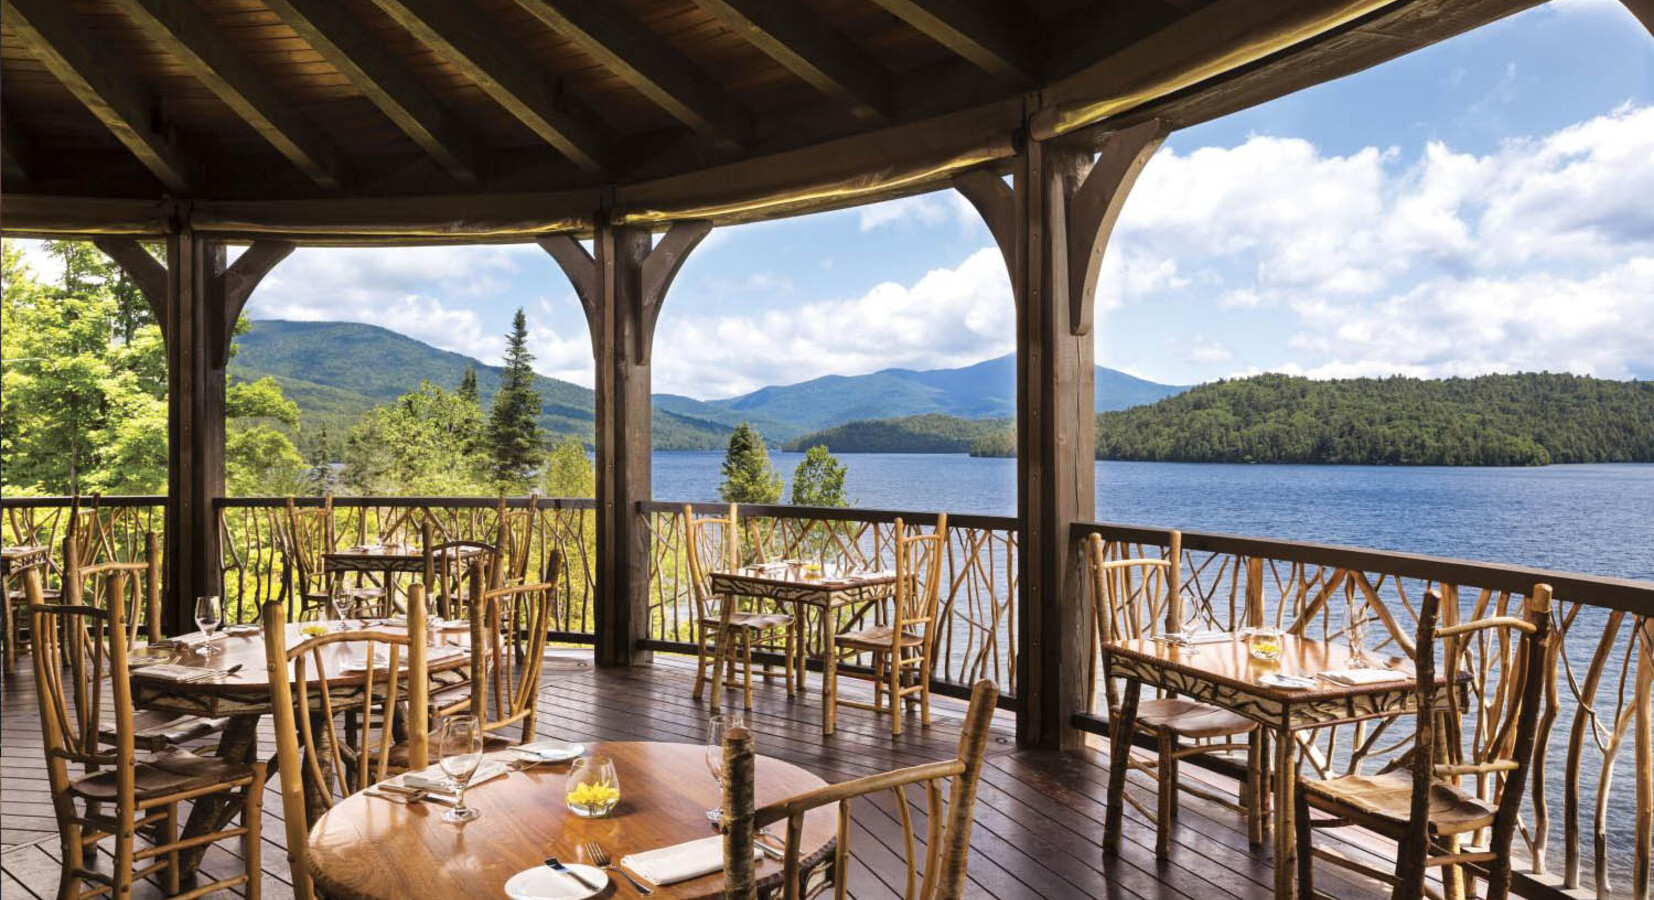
(208, 614)
(460, 741)
(1356, 632)
(716, 727)
(341, 602)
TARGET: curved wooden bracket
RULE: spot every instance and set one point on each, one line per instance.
(1644, 11)
(997, 204)
(1096, 205)
(237, 285)
(147, 272)
(660, 267)
(581, 270)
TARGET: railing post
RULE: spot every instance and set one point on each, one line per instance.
(621, 289)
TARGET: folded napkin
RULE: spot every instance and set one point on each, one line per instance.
(434, 779)
(195, 639)
(1354, 677)
(183, 674)
(381, 659)
(1193, 638)
(1293, 682)
(870, 576)
(680, 862)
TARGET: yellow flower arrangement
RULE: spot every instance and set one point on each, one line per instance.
(592, 800)
(314, 629)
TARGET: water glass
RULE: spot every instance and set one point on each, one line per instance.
(460, 743)
(593, 789)
(1264, 644)
(716, 727)
(209, 613)
(1356, 633)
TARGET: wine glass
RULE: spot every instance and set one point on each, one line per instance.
(1355, 631)
(340, 599)
(460, 741)
(208, 614)
(716, 727)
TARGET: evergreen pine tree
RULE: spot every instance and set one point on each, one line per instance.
(468, 385)
(748, 476)
(514, 444)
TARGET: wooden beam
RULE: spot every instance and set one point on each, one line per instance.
(52, 32)
(1096, 206)
(180, 27)
(16, 157)
(497, 64)
(660, 268)
(147, 272)
(831, 63)
(1644, 11)
(649, 64)
(982, 31)
(997, 204)
(581, 269)
(240, 279)
(348, 46)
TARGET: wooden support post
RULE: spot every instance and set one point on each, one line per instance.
(196, 299)
(1052, 225)
(622, 289)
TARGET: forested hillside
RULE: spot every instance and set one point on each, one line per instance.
(1493, 420)
(911, 434)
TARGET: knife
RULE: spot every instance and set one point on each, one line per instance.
(555, 866)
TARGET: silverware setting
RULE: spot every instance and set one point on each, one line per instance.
(555, 866)
(600, 858)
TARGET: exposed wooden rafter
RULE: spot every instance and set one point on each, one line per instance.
(502, 69)
(648, 63)
(806, 46)
(982, 31)
(49, 29)
(15, 155)
(180, 27)
(348, 46)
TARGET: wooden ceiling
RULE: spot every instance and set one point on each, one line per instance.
(368, 120)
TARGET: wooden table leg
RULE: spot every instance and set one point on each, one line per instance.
(720, 651)
(829, 671)
(1121, 729)
(1286, 832)
(801, 634)
(239, 743)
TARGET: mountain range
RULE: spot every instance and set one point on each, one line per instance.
(335, 371)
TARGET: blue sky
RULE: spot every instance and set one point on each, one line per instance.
(1483, 205)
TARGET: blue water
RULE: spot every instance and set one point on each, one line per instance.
(1597, 519)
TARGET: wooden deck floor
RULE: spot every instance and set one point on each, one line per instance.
(1039, 817)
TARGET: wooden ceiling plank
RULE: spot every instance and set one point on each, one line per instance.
(647, 62)
(809, 48)
(503, 69)
(51, 31)
(195, 42)
(347, 44)
(17, 162)
(982, 31)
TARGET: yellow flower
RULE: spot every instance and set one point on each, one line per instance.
(593, 795)
(313, 630)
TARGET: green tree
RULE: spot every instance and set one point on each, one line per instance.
(415, 445)
(468, 386)
(321, 477)
(748, 475)
(569, 471)
(819, 479)
(515, 448)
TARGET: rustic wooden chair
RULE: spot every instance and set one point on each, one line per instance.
(902, 649)
(318, 762)
(1141, 597)
(511, 623)
(310, 534)
(1419, 800)
(458, 570)
(947, 839)
(82, 541)
(728, 633)
(152, 729)
(130, 793)
(517, 528)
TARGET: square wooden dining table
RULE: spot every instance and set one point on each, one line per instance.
(1225, 675)
(791, 586)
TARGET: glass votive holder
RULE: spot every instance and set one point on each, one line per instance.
(1264, 644)
(593, 789)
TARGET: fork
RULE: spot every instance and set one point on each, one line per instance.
(600, 859)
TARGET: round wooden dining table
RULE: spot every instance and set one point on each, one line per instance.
(368, 848)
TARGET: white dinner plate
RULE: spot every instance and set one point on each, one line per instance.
(550, 751)
(541, 883)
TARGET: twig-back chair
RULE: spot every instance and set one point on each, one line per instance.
(457, 571)
(1141, 597)
(902, 650)
(131, 792)
(83, 538)
(317, 761)
(512, 623)
(727, 633)
(948, 826)
(1419, 801)
(310, 534)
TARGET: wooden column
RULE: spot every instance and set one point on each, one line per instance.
(196, 299)
(622, 288)
(1052, 225)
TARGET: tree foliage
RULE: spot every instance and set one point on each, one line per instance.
(928, 433)
(819, 480)
(515, 444)
(748, 475)
(1492, 420)
(569, 471)
(417, 446)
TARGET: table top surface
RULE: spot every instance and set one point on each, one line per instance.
(367, 848)
(795, 579)
(253, 677)
(1231, 663)
(23, 554)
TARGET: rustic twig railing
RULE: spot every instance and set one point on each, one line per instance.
(1598, 696)
(976, 632)
(122, 523)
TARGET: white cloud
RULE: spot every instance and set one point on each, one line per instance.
(923, 210)
(949, 317)
(1204, 352)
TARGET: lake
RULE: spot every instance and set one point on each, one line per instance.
(1597, 519)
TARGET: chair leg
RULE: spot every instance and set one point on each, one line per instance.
(1254, 791)
(787, 643)
(1453, 881)
(746, 654)
(924, 691)
(702, 656)
(1306, 856)
(1166, 780)
(898, 710)
(123, 867)
(169, 835)
(253, 818)
(68, 884)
